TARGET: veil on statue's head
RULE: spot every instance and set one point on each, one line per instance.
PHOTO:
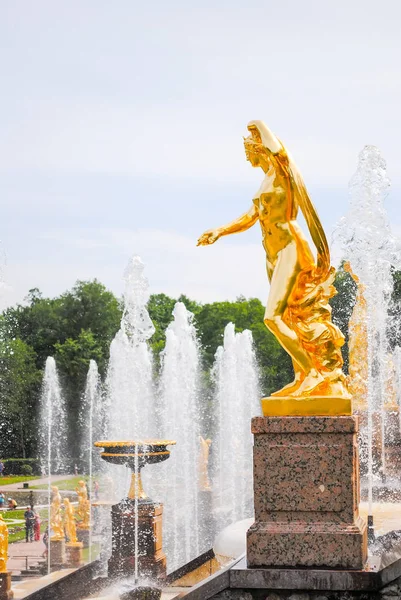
(273, 145)
(269, 140)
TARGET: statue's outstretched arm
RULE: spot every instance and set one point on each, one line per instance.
(243, 223)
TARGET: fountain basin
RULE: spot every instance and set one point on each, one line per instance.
(135, 453)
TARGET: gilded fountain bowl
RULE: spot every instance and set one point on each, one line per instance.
(135, 453)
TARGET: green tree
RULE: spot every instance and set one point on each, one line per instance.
(72, 359)
(38, 323)
(43, 322)
(89, 306)
(19, 394)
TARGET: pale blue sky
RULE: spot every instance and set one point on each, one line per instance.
(121, 130)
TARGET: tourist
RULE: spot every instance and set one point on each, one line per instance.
(2, 467)
(12, 505)
(96, 490)
(29, 517)
(46, 542)
(76, 469)
(36, 528)
(2, 500)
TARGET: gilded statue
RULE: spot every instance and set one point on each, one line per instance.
(56, 521)
(69, 522)
(204, 482)
(3, 545)
(358, 369)
(298, 311)
(83, 509)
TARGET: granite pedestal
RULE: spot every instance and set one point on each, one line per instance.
(5, 586)
(151, 558)
(306, 494)
(57, 552)
(74, 554)
(83, 535)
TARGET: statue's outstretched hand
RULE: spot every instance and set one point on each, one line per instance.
(209, 237)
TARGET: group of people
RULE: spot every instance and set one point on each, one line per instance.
(10, 505)
(32, 525)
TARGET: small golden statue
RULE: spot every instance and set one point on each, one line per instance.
(56, 521)
(3, 545)
(358, 370)
(204, 482)
(298, 311)
(83, 510)
(358, 346)
(69, 522)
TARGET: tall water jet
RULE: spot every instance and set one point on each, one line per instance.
(92, 425)
(129, 378)
(179, 395)
(92, 419)
(397, 380)
(237, 400)
(369, 245)
(53, 445)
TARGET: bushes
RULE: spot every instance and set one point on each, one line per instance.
(26, 469)
(21, 466)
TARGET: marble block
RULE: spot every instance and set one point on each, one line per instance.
(150, 556)
(306, 494)
(6, 592)
(57, 552)
(73, 552)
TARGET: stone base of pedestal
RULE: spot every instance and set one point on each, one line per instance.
(307, 544)
(306, 494)
(149, 568)
(5, 586)
(151, 558)
(83, 536)
(74, 554)
(57, 552)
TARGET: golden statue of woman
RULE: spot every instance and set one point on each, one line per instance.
(204, 482)
(69, 522)
(3, 545)
(83, 509)
(298, 311)
(358, 370)
(56, 522)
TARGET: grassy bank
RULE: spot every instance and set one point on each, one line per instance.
(64, 484)
(7, 480)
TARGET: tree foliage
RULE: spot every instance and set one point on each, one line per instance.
(19, 384)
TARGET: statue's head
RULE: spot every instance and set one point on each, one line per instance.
(54, 489)
(81, 483)
(66, 502)
(260, 144)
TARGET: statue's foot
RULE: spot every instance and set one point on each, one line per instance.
(310, 385)
(290, 388)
